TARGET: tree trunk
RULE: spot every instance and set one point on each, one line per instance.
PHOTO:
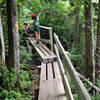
(98, 46)
(13, 35)
(89, 49)
(76, 34)
(2, 42)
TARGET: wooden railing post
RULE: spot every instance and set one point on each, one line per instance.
(51, 39)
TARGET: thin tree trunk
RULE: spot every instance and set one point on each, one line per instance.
(13, 35)
(98, 47)
(76, 34)
(2, 42)
(89, 53)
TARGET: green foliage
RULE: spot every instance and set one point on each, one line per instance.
(18, 92)
(75, 96)
(58, 15)
(25, 56)
(78, 59)
(74, 54)
(96, 96)
(11, 95)
(62, 7)
(24, 79)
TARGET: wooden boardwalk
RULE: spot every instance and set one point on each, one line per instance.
(56, 76)
(51, 85)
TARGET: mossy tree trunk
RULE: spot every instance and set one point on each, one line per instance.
(13, 35)
(76, 34)
(89, 36)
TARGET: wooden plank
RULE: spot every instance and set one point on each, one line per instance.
(57, 73)
(50, 71)
(52, 93)
(44, 51)
(41, 49)
(81, 90)
(59, 88)
(49, 55)
(43, 89)
(37, 49)
(43, 72)
(50, 52)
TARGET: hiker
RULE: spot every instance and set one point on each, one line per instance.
(36, 27)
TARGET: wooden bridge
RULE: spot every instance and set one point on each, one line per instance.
(58, 75)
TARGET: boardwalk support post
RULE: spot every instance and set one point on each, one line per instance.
(51, 39)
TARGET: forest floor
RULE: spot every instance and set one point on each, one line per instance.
(35, 84)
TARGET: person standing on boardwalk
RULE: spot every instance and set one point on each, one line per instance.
(36, 26)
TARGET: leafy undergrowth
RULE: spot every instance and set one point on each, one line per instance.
(24, 89)
(78, 61)
(93, 94)
(18, 91)
(27, 81)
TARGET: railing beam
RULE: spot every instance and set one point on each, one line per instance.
(81, 90)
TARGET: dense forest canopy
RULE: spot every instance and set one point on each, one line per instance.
(76, 22)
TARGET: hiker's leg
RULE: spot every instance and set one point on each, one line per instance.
(37, 35)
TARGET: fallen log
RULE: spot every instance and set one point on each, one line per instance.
(90, 83)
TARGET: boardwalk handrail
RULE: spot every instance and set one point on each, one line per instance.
(50, 35)
(81, 90)
(45, 27)
(67, 85)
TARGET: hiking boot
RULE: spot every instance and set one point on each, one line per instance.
(37, 41)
